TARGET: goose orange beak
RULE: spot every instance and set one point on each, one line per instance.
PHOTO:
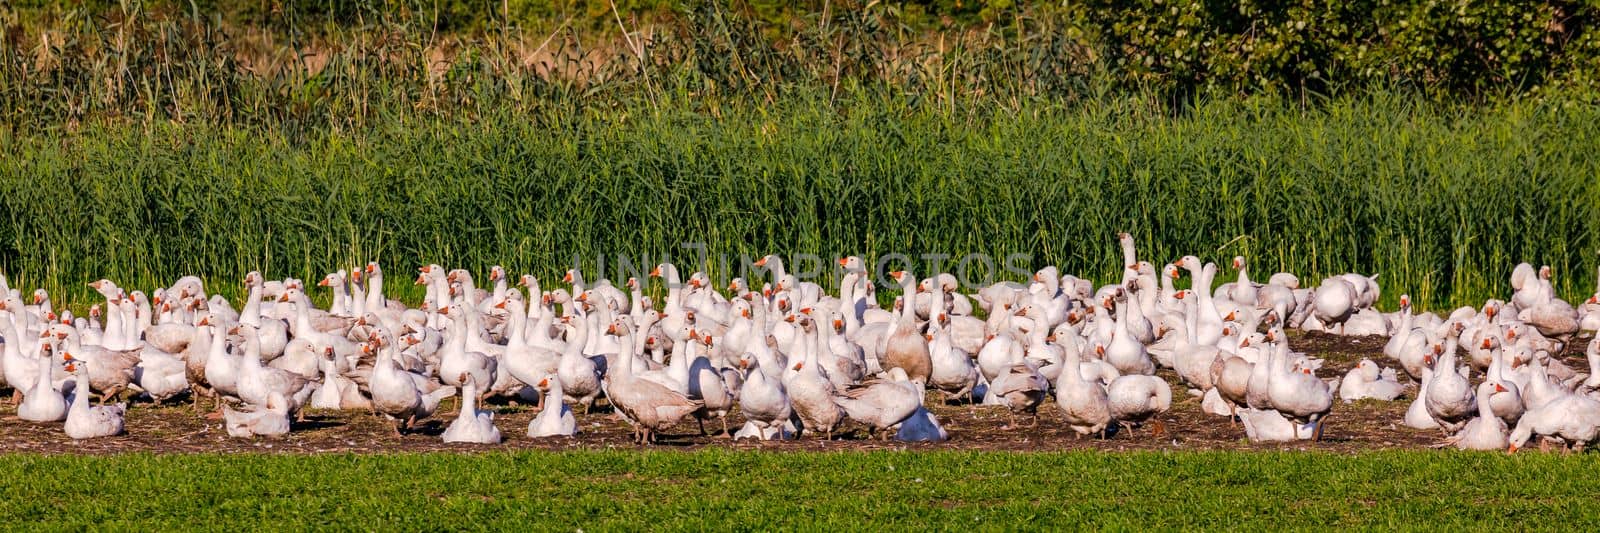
(760, 262)
(655, 272)
(844, 262)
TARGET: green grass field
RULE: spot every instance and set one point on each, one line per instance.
(758, 490)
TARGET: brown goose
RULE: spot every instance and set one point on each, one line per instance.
(650, 406)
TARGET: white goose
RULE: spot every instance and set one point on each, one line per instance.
(1451, 399)
(42, 402)
(763, 403)
(1574, 418)
(471, 425)
(1486, 431)
(1135, 399)
(1417, 416)
(555, 418)
(1367, 380)
(1084, 404)
(811, 393)
(883, 404)
(455, 360)
(1125, 352)
(267, 420)
(1297, 394)
(83, 421)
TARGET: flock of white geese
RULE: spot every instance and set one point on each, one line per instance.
(798, 362)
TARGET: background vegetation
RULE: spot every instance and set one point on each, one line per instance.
(1436, 143)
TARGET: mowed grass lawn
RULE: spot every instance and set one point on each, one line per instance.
(760, 490)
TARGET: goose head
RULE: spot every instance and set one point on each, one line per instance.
(106, 288)
(1369, 370)
(1190, 263)
(1049, 273)
(902, 278)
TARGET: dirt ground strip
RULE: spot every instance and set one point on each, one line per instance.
(1352, 427)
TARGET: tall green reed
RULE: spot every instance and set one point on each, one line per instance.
(1441, 201)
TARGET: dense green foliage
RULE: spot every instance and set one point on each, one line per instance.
(1442, 203)
(307, 64)
(757, 490)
